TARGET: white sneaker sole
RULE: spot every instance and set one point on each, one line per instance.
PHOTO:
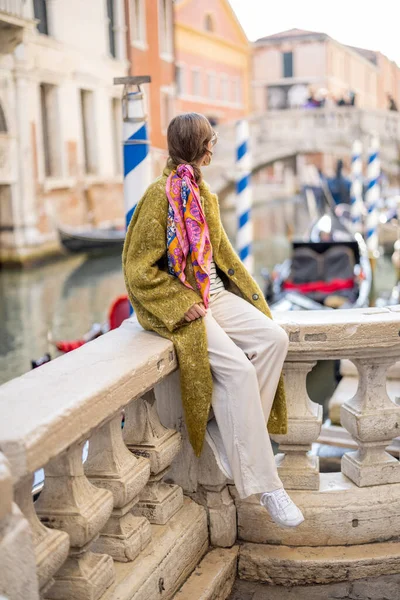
(286, 525)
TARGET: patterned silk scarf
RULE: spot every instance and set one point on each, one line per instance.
(187, 230)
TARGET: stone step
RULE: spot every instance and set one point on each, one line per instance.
(290, 566)
(372, 588)
(214, 577)
(161, 568)
(338, 514)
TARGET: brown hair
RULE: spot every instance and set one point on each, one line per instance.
(188, 136)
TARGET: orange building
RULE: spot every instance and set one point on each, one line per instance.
(213, 60)
(150, 42)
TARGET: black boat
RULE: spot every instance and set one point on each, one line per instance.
(92, 240)
(329, 268)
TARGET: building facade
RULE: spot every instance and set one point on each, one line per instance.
(151, 52)
(289, 66)
(213, 60)
(60, 120)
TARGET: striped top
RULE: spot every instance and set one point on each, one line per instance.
(216, 283)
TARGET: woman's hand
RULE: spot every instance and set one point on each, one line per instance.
(197, 311)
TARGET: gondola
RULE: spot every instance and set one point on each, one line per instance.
(328, 269)
(92, 240)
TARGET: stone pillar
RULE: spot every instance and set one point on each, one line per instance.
(213, 494)
(201, 477)
(71, 503)
(145, 436)
(18, 579)
(110, 465)
(373, 420)
(120, 29)
(51, 546)
(23, 188)
(297, 469)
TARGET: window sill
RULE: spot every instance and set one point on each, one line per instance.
(58, 183)
(140, 45)
(92, 179)
(167, 57)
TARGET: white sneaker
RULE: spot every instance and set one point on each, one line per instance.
(214, 440)
(281, 508)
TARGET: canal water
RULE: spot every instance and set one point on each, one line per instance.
(65, 298)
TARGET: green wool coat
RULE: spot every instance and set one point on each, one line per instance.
(160, 301)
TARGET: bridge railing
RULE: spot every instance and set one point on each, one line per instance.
(89, 514)
(93, 516)
(13, 7)
(277, 134)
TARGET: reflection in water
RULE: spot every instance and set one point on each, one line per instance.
(67, 297)
(64, 298)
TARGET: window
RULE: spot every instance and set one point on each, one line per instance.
(211, 85)
(166, 31)
(40, 12)
(180, 79)
(209, 23)
(88, 131)
(196, 82)
(111, 27)
(116, 116)
(224, 87)
(167, 108)
(237, 90)
(138, 21)
(50, 129)
(287, 64)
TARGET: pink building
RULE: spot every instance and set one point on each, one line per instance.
(212, 60)
(288, 66)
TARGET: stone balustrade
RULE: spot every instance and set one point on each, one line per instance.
(117, 524)
(13, 7)
(277, 134)
(93, 517)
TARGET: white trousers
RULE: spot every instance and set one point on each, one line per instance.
(246, 351)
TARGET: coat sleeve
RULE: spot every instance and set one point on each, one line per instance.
(157, 291)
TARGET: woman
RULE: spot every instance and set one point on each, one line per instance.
(186, 283)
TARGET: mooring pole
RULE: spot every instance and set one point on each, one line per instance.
(136, 145)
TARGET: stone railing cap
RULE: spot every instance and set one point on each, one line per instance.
(46, 410)
(342, 333)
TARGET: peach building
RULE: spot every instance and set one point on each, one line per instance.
(287, 65)
(151, 52)
(212, 60)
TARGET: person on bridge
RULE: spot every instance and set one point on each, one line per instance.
(186, 283)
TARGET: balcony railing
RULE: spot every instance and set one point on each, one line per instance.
(125, 502)
(13, 7)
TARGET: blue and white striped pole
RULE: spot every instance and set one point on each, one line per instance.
(136, 145)
(356, 193)
(244, 200)
(372, 198)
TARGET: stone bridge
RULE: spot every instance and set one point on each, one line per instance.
(144, 519)
(276, 135)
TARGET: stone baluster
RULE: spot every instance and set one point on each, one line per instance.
(297, 469)
(145, 436)
(373, 420)
(200, 478)
(51, 546)
(112, 466)
(18, 579)
(214, 495)
(69, 502)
